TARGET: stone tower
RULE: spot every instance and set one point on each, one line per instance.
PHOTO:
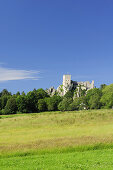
(92, 84)
(66, 82)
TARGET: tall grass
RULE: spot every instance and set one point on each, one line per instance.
(25, 134)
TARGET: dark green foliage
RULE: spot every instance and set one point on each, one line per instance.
(4, 96)
(41, 94)
(102, 86)
(18, 93)
(93, 98)
(4, 100)
(24, 103)
(11, 107)
(83, 92)
(42, 106)
(21, 103)
(64, 105)
(1, 113)
(38, 100)
(5, 93)
(31, 102)
(0, 103)
(79, 103)
(23, 93)
(107, 96)
(52, 102)
(69, 94)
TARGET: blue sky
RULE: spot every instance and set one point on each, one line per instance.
(40, 40)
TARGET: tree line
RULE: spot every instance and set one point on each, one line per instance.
(39, 101)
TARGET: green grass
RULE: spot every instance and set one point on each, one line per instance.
(56, 139)
(98, 159)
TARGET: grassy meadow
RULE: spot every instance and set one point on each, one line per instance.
(57, 140)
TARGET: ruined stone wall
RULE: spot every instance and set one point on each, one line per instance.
(68, 84)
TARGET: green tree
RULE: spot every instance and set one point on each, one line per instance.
(52, 102)
(64, 105)
(21, 103)
(0, 103)
(69, 94)
(93, 98)
(17, 94)
(102, 86)
(42, 105)
(32, 98)
(41, 94)
(79, 103)
(4, 100)
(107, 96)
(5, 93)
(31, 102)
(23, 93)
(11, 106)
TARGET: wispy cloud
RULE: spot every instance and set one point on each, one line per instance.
(7, 74)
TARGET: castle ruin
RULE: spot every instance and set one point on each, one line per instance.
(69, 84)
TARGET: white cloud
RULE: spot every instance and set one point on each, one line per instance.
(7, 74)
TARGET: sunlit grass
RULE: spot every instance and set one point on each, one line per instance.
(49, 130)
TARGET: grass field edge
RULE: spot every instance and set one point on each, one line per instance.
(98, 146)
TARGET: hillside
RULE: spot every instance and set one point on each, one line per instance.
(55, 132)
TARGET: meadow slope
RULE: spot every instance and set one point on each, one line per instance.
(31, 137)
